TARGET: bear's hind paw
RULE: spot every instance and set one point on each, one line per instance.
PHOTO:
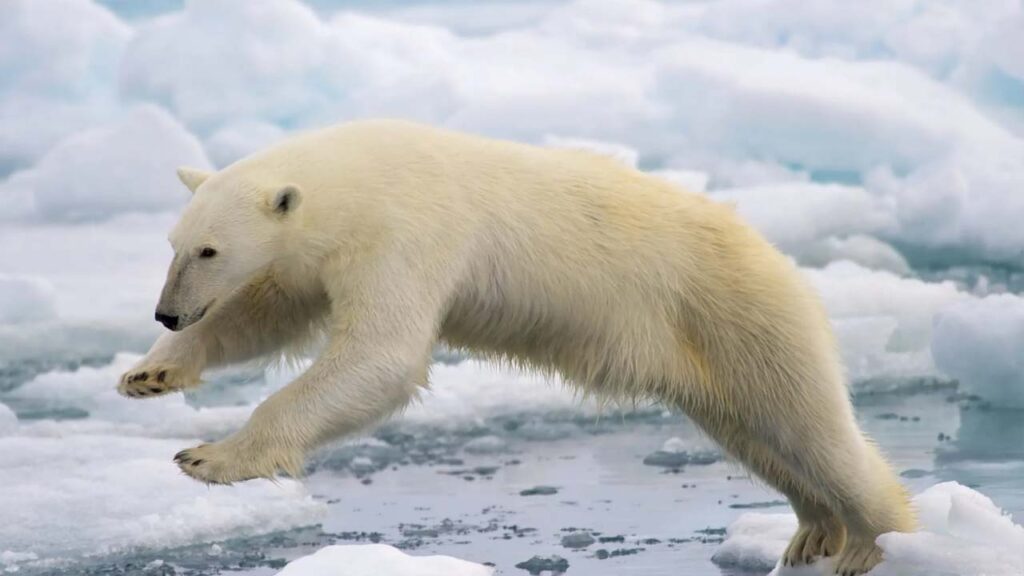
(227, 463)
(813, 541)
(858, 557)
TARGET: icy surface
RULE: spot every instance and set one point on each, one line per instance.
(962, 532)
(444, 478)
(107, 483)
(96, 493)
(378, 560)
(981, 343)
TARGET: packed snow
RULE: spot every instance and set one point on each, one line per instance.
(961, 532)
(379, 560)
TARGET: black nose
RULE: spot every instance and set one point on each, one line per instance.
(169, 322)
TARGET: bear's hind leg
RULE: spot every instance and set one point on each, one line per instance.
(835, 479)
(820, 532)
(847, 475)
(881, 505)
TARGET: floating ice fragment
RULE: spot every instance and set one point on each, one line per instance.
(378, 560)
(980, 342)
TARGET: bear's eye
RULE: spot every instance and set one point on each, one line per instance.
(207, 252)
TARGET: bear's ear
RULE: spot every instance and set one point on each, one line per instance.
(192, 177)
(284, 200)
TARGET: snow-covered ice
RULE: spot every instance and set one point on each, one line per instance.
(379, 560)
(72, 495)
(962, 532)
(107, 483)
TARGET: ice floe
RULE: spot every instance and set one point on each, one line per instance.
(962, 533)
(379, 560)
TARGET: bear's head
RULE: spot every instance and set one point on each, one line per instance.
(231, 230)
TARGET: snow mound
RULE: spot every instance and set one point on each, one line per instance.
(249, 54)
(948, 39)
(980, 342)
(755, 541)
(628, 156)
(692, 180)
(818, 223)
(963, 533)
(8, 420)
(127, 166)
(25, 299)
(239, 140)
(883, 322)
(378, 560)
(60, 60)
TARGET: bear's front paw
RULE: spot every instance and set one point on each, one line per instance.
(154, 380)
(226, 462)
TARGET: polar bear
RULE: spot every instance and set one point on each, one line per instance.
(386, 237)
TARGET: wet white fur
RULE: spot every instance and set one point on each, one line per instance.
(402, 235)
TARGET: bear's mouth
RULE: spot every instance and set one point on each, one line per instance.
(193, 318)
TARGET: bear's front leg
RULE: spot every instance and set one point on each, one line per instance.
(341, 393)
(383, 328)
(173, 363)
